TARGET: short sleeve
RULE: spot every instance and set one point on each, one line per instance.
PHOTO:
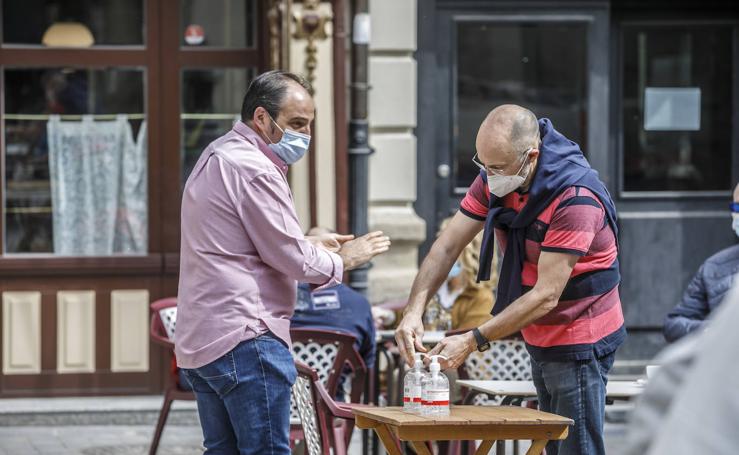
(475, 202)
(574, 224)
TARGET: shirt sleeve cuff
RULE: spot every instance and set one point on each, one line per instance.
(338, 272)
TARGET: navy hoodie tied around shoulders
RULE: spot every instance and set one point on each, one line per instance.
(561, 165)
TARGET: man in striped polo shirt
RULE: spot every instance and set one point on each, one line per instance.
(555, 222)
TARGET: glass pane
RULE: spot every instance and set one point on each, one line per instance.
(211, 103)
(75, 183)
(677, 108)
(72, 22)
(521, 64)
(218, 23)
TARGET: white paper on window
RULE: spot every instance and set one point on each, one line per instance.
(672, 108)
(98, 187)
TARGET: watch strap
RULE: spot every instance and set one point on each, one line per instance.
(481, 340)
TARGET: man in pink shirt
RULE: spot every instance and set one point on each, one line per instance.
(242, 253)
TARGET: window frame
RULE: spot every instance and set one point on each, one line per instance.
(503, 18)
(618, 122)
(161, 58)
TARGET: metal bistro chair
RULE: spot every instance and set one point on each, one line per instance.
(317, 412)
(506, 360)
(331, 354)
(163, 322)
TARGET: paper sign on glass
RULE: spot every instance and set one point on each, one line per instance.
(672, 108)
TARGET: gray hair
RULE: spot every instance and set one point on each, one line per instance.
(524, 132)
(268, 90)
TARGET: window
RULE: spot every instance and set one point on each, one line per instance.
(75, 161)
(677, 107)
(211, 103)
(218, 23)
(106, 22)
(77, 121)
(499, 63)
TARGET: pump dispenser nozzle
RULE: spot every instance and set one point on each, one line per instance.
(435, 366)
(418, 363)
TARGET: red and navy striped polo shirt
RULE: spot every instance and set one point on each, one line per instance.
(588, 318)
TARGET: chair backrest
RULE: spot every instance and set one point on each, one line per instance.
(328, 352)
(163, 321)
(506, 360)
(305, 397)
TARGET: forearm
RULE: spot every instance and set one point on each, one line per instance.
(519, 314)
(431, 275)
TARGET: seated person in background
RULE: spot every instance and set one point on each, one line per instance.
(708, 287)
(337, 308)
(461, 302)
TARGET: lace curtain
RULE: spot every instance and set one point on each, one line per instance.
(98, 187)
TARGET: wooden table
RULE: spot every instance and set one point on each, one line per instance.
(615, 390)
(430, 338)
(466, 423)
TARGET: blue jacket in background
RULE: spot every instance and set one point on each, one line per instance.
(704, 293)
(338, 308)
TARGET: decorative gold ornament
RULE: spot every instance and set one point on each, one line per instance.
(310, 25)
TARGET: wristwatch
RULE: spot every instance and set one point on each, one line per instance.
(482, 343)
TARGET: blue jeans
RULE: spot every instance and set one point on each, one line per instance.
(575, 389)
(244, 398)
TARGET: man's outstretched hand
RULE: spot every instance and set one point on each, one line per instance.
(360, 250)
(330, 241)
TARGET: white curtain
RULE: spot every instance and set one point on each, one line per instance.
(98, 187)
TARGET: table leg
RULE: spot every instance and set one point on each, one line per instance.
(388, 440)
(421, 448)
(484, 448)
(537, 447)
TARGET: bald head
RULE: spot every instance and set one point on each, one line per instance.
(505, 134)
(510, 126)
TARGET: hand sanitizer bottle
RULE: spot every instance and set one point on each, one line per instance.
(437, 386)
(425, 380)
(412, 386)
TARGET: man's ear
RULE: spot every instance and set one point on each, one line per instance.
(260, 117)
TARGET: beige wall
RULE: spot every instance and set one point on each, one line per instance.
(392, 112)
(392, 116)
(324, 139)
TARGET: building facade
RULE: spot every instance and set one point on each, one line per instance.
(107, 105)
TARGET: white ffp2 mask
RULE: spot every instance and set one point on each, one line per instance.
(501, 185)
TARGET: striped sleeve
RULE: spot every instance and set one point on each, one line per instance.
(475, 202)
(574, 224)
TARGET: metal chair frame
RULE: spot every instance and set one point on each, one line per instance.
(163, 322)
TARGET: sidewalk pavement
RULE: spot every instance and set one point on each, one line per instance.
(125, 426)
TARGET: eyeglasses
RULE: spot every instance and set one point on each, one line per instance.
(487, 169)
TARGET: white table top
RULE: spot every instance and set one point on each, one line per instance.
(429, 338)
(614, 389)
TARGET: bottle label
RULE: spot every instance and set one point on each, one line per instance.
(437, 397)
(415, 394)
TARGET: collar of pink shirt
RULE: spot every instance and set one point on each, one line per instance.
(252, 136)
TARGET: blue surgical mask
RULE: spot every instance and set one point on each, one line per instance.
(735, 224)
(292, 146)
(455, 271)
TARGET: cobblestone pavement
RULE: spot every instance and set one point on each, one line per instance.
(135, 439)
(98, 440)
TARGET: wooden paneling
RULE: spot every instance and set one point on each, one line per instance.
(75, 332)
(21, 332)
(129, 335)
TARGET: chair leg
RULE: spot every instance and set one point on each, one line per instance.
(163, 414)
(339, 446)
